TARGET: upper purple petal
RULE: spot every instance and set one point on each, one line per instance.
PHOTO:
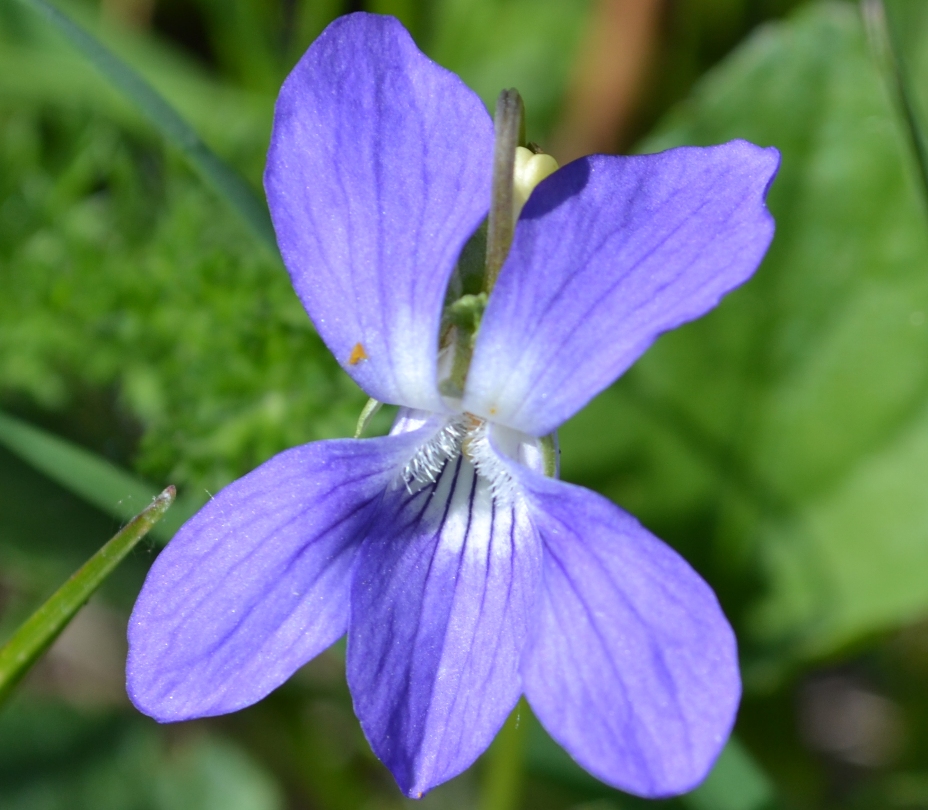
(633, 668)
(442, 598)
(608, 253)
(377, 174)
(258, 581)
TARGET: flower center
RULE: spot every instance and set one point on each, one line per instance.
(470, 436)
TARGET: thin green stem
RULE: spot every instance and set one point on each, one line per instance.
(231, 187)
(502, 784)
(370, 410)
(38, 632)
(550, 454)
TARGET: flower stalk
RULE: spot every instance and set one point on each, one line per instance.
(369, 412)
(503, 777)
(509, 128)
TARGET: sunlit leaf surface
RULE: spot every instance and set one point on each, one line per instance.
(787, 433)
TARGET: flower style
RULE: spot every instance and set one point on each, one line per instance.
(464, 573)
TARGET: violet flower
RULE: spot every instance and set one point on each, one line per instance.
(463, 574)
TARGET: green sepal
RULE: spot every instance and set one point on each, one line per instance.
(466, 314)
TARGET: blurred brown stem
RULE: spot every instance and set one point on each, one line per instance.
(135, 14)
(612, 66)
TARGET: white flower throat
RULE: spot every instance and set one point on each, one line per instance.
(484, 445)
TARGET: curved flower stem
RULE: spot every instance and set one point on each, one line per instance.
(509, 124)
(503, 777)
(370, 410)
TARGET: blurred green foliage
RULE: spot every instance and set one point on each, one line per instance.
(122, 273)
(781, 443)
(111, 761)
(792, 420)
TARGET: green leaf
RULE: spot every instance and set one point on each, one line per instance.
(86, 474)
(38, 632)
(735, 783)
(781, 442)
(224, 180)
(55, 756)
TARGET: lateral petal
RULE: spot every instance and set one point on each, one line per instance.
(378, 172)
(258, 581)
(633, 668)
(441, 601)
(608, 253)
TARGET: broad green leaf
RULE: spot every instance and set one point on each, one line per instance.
(735, 783)
(38, 632)
(95, 479)
(782, 441)
(224, 180)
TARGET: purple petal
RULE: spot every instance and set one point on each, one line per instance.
(377, 174)
(634, 668)
(258, 581)
(440, 604)
(609, 252)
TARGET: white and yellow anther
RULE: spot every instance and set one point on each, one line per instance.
(530, 170)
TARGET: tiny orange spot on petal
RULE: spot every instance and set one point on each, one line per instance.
(493, 410)
(357, 354)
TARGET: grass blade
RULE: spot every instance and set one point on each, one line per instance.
(38, 632)
(99, 482)
(222, 178)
